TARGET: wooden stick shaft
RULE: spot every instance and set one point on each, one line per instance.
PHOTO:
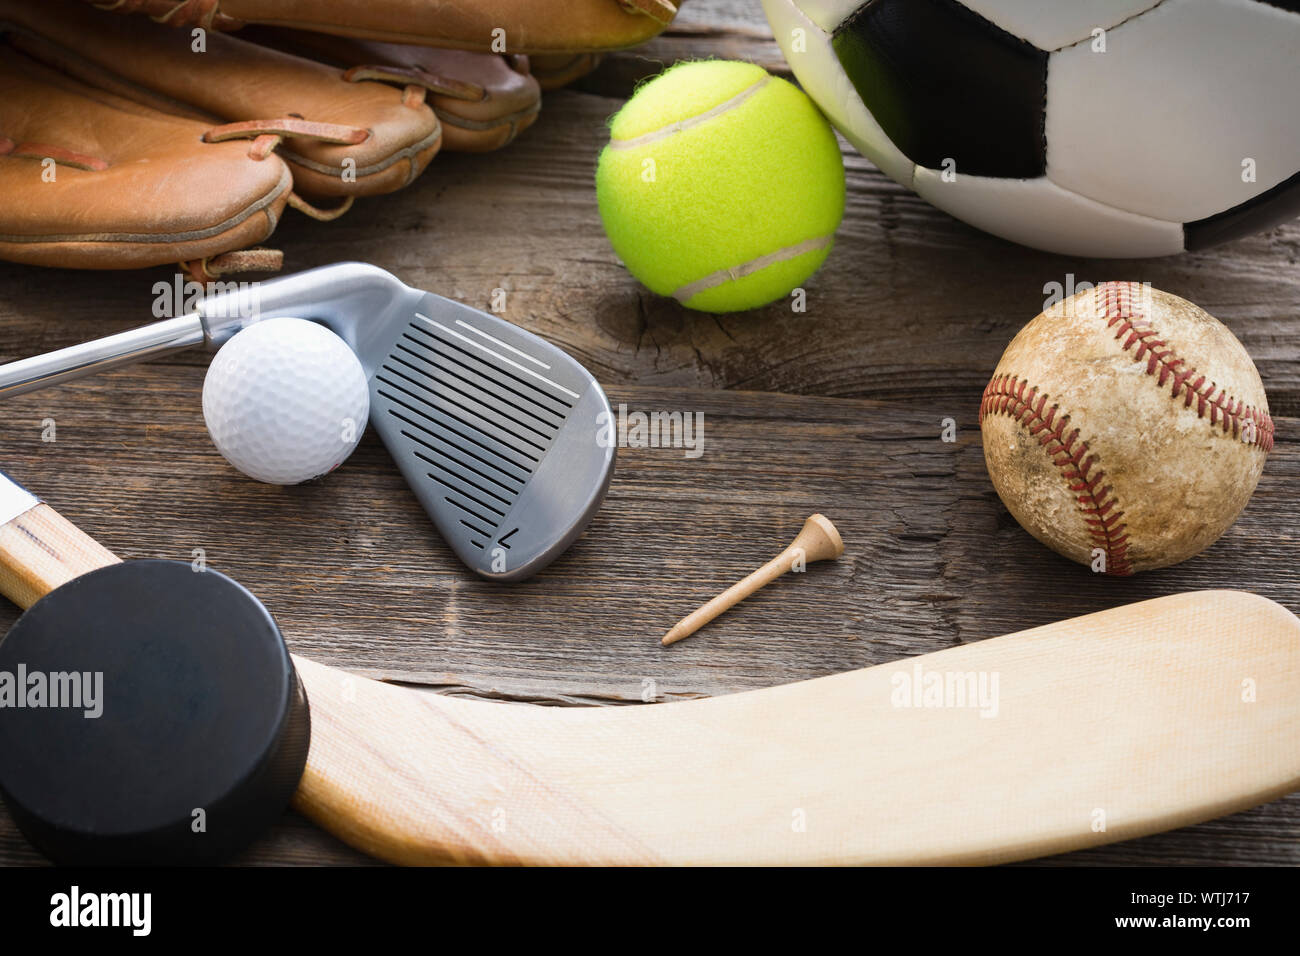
(40, 550)
(1077, 721)
(732, 596)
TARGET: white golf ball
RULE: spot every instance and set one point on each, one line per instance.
(285, 401)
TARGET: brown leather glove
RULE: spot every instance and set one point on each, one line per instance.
(555, 70)
(498, 26)
(96, 181)
(123, 146)
(483, 100)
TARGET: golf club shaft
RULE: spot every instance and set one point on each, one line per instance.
(329, 292)
(88, 358)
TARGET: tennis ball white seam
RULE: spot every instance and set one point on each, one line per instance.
(731, 273)
(673, 128)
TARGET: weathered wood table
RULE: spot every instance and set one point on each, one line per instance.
(837, 409)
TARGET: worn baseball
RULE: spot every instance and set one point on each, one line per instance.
(1125, 428)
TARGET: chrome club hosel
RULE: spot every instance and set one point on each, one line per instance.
(352, 299)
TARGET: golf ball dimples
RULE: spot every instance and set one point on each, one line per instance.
(285, 401)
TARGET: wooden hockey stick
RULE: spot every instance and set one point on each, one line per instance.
(1101, 728)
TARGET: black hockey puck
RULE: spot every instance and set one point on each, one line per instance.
(149, 714)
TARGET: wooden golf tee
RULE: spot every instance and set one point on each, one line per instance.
(816, 542)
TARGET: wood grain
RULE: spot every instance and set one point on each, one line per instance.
(41, 550)
(838, 409)
(1091, 738)
(358, 579)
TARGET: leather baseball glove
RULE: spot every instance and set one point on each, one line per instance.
(483, 100)
(125, 144)
(497, 26)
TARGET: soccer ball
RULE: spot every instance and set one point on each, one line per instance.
(1102, 128)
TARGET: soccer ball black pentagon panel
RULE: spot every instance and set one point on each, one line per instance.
(1109, 128)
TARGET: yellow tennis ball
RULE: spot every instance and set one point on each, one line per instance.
(721, 185)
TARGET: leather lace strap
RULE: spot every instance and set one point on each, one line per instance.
(288, 126)
(417, 76)
(267, 134)
(321, 215)
(240, 260)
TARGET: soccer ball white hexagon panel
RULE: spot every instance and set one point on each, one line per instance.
(1089, 127)
(1161, 121)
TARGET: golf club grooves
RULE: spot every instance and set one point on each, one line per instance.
(465, 383)
(479, 501)
(498, 369)
(473, 370)
(480, 428)
(476, 414)
(471, 395)
(463, 451)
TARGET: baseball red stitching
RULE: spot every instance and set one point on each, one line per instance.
(1115, 302)
(1016, 398)
(1008, 395)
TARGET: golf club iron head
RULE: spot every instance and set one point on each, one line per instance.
(502, 436)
